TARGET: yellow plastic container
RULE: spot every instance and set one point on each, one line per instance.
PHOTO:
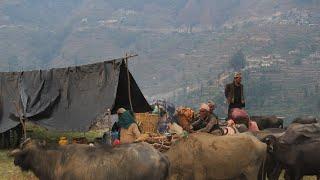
(63, 141)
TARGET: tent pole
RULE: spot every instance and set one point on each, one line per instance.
(129, 85)
(24, 128)
(22, 120)
(109, 119)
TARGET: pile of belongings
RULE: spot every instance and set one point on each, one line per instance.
(158, 141)
(240, 116)
(162, 142)
(163, 105)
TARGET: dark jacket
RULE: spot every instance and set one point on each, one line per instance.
(232, 96)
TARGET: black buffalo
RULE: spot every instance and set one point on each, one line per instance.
(277, 132)
(272, 167)
(265, 122)
(305, 120)
(132, 161)
(297, 151)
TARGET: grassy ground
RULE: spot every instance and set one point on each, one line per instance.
(35, 132)
(10, 172)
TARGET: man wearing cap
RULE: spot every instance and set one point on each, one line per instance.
(234, 93)
(206, 122)
(212, 107)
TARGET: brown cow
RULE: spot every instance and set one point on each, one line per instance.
(205, 156)
(132, 161)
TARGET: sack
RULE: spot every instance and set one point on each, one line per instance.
(240, 116)
(253, 127)
(174, 128)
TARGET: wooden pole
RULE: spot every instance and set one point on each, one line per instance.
(109, 119)
(128, 79)
(130, 56)
(22, 120)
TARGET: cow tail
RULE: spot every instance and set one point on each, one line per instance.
(262, 175)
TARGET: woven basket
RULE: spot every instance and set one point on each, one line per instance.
(148, 123)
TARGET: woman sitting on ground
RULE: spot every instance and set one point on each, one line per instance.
(129, 130)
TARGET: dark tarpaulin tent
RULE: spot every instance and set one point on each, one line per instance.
(67, 99)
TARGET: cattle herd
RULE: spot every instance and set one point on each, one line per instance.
(249, 155)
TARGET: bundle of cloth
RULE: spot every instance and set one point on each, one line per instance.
(240, 116)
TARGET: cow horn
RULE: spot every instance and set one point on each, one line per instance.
(13, 152)
(25, 142)
(280, 117)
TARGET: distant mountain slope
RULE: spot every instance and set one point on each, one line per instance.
(181, 44)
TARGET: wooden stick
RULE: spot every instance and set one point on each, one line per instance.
(156, 145)
(109, 119)
(129, 83)
(130, 56)
(22, 119)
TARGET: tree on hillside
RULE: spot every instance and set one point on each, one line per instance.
(238, 61)
(258, 91)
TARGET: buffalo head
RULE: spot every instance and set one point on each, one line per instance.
(22, 156)
(270, 140)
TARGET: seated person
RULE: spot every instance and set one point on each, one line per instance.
(129, 130)
(212, 107)
(206, 122)
(163, 122)
(115, 132)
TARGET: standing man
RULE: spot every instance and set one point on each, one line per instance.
(234, 93)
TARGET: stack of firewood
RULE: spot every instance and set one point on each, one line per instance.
(158, 141)
(162, 143)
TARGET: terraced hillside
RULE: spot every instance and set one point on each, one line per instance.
(183, 45)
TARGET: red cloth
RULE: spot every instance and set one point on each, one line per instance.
(116, 142)
(253, 127)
